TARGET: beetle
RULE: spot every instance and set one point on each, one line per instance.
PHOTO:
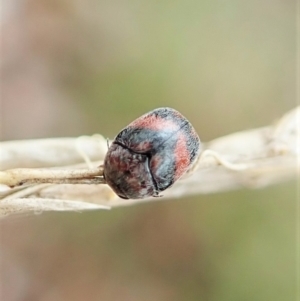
(150, 154)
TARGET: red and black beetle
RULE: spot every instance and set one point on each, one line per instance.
(150, 154)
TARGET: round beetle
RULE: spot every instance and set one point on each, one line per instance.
(150, 154)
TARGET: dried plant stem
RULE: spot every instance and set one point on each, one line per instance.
(23, 176)
(248, 159)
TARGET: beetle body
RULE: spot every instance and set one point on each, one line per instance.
(150, 154)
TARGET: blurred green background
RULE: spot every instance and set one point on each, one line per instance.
(73, 68)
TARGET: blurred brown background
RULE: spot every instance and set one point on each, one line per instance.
(73, 68)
